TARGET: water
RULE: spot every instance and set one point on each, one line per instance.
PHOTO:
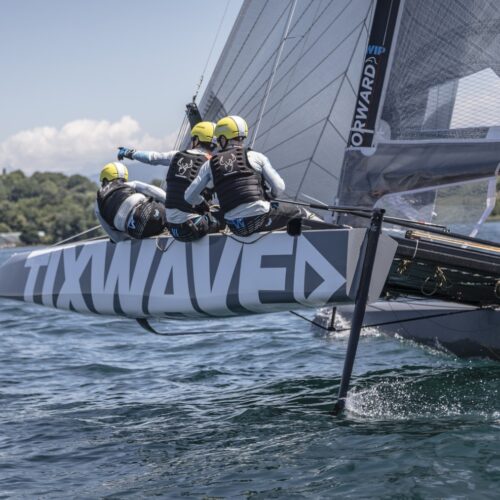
(94, 407)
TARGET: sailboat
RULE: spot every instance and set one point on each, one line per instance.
(357, 103)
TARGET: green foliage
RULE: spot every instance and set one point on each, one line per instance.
(496, 210)
(46, 207)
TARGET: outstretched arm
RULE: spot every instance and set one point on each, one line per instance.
(150, 157)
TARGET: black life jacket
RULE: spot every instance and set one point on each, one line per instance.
(182, 171)
(110, 197)
(235, 181)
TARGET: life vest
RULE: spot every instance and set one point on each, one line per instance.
(182, 171)
(235, 181)
(111, 197)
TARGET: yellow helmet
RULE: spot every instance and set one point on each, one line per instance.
(204, 131)
(231, 127)
(112, 171)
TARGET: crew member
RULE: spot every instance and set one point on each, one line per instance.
(243, 180)
(128, 209)
(184, 221)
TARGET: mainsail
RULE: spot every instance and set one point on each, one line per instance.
(305, 124)
(436, 115)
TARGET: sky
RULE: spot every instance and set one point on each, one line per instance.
(81, 77)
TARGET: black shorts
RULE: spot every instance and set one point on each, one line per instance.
(277, 218)
(196, 228)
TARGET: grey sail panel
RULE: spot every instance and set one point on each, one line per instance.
(442, 48)
(305, 123)
(401, 167)
(439, 121)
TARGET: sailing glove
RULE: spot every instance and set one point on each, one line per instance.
(125, 153)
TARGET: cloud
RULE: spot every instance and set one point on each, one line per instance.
(80, 146)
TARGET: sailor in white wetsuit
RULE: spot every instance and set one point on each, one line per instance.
(241, 179)
(184, 221)
(128, 209)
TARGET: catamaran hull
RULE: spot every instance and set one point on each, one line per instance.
(219, 275)
(465, 331)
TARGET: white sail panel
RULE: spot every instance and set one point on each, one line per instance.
(310, 103)
(477, 103)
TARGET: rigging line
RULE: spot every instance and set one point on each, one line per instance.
(75, 236)
(386, 323)
(249, 62)
(242, 44)
(263, 84)
(311, 321)
(290, 53)
(302, 42)
(301, 105)
(181, 134)
(273, 73)
(303, 54)
(217, 32)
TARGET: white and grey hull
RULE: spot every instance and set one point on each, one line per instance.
(219, 275)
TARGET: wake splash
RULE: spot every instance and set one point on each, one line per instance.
(469, 391)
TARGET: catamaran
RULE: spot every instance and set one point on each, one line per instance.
(362, 106)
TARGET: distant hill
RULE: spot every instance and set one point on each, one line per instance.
(46, 207)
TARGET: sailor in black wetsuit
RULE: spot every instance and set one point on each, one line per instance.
(128, 209)
(185, 221)
(243, 180)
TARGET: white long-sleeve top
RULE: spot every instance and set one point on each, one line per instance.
(260, 163)
(143, 191)
(174, 215)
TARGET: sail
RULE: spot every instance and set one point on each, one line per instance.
(297, 72)
(439, 117)
(291, 69)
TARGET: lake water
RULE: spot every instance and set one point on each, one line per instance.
(94, 407)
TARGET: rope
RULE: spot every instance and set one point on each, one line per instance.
(181, 134)
(235, 238)
(166, 247)
(393, 322)
(75, 236)
(217, 32)
(185, 124)
(312, 321)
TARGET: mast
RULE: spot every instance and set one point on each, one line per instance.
(375, 68)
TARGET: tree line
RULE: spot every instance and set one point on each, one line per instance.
(46, 207)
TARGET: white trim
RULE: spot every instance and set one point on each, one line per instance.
(121, 217)
(121, 170)
(241, 124)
